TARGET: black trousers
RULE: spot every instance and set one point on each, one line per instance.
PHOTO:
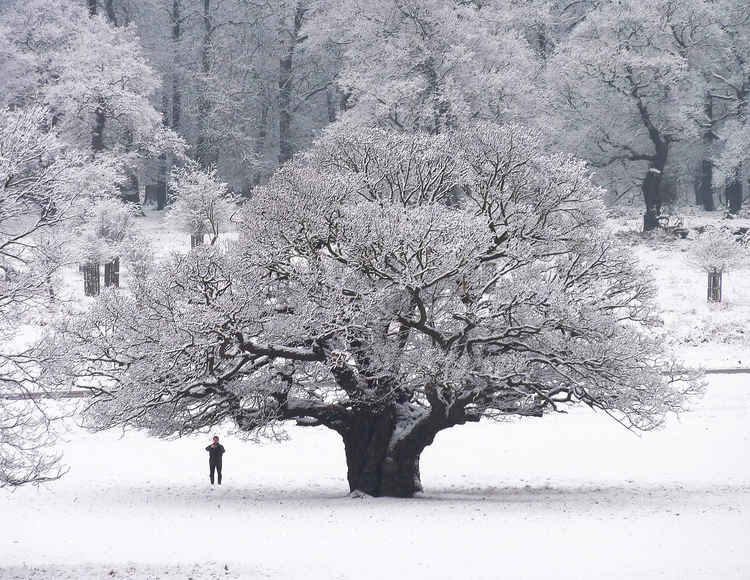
(215, 465)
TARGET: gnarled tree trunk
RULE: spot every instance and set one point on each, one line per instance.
(383, 447)
(374, 465)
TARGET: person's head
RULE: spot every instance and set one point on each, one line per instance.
(216, 438)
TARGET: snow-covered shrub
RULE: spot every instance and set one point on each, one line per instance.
(717, 250)
(202, 203)
(139, 255)
(105, 230)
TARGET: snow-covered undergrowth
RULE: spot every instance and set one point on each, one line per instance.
(568, 497)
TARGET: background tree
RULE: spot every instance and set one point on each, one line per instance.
(101, 240)
(717, 251)
(61, 66)
(730, 79)
(389, 286)
(439, 63)
(89, 74)
(623, 80)
(202, 204)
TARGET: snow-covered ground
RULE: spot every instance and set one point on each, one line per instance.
(567, 497)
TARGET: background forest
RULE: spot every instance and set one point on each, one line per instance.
(640, 88)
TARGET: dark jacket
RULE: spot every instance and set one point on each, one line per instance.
(215, 452)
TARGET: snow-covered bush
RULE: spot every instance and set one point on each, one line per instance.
(139, 255)
(717, 250)
(202, 204)
(106, 229)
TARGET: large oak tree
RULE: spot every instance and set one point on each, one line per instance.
(389, 286)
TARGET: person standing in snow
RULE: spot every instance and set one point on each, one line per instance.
(215, 451)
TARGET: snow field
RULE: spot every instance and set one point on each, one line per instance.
(565, 497)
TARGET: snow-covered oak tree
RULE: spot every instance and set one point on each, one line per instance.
(202, 204)
(390, 286)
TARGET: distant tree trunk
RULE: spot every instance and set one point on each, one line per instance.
(697, 180)
(289, 38)
(158, 192)
(261, 142)
(651, 186)
(706, 194)
(332, 103)
(111, 16)
(285, 91)
(733, 191)
(153, 192)
(438, 104)
(196, 239)
(130, 191)
(176, 89)
(91, 272)
(112, 273)
(706, 182)
(161, 195)
(714, 286)
(204, 148)
(100, 120)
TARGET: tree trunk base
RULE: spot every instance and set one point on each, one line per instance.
(650, 222)
(714, 286)
(112, 273)
(372, 467)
